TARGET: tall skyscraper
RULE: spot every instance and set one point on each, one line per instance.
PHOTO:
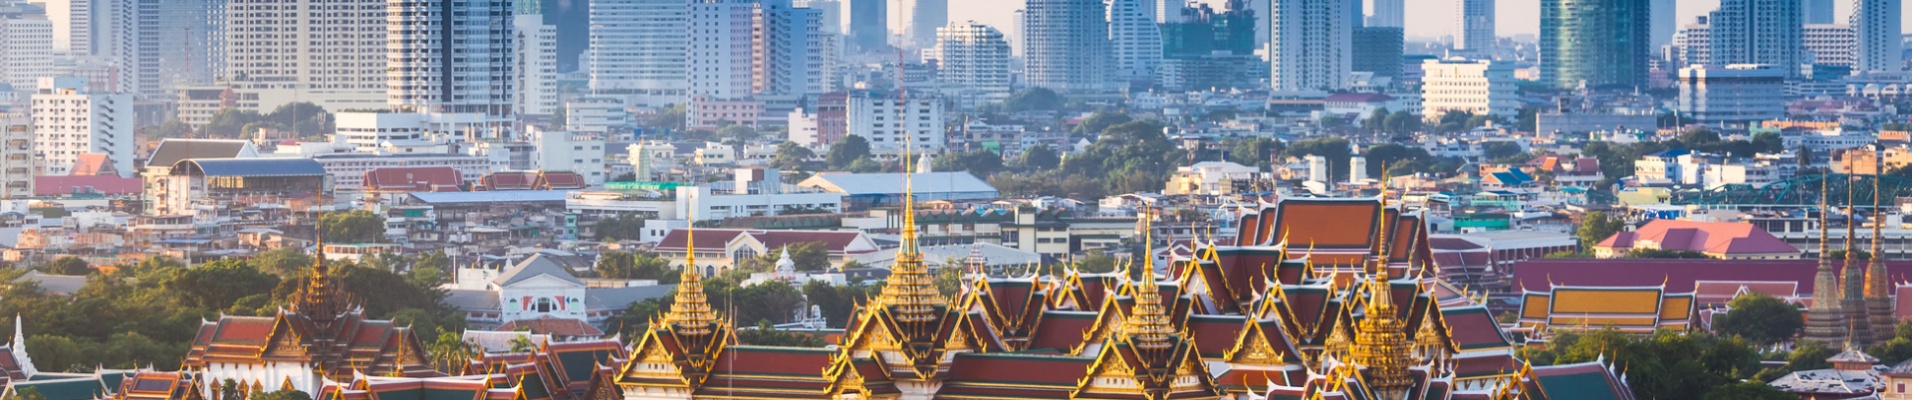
(1817, 11)
(973, 62)
(1830, 44)
(1205, 50)
(1066, 45)
(26, 45)
(749, 51)
(451, 57)
(168, 44)
(1135, 39)
(1377, 49)
(789, 49)
(537, 57)
(1877, 25)
(1757, 32)
(1599, 43)
(1474, 26)
(868, 27)
(280, 51)
(637, 50)
(916, 22)
(1311, 44)
(722, 30)
(1387, 13)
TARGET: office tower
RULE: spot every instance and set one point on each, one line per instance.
(1664, 22)
(1066, 45)
(1205, 50)
(281, 51)
(1738, 93)
(1695, 43)
(744, 49)
(1387, 13)
(868, 26)
(789, 49)
(1877, 25)
(1135, 39)
(16, 154)
(1479, 87)
(1817, 11)
(1598, 43)
(1311, 45)
(637, 50)
(866, 114)
(972, 61)
(831, 12)
(1830, 44)
(1757, 32)
(70, 121)
(1474, 26)
(1168, 11)
(72, 26)
(536, 56)
(26, 45)
(451, 57)
(916, 22)
(1377, 49)
(168, 44)
(721, 60)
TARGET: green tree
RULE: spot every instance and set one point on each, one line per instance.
(281, 395)
(671, 117)
(767, 335)
(1335, 149)
(1034, 99)
(1595, 227)
(773, 301)
(302, 119)
(430, 270)
(1760, 318)
(26, 393)
(449, 353)
(68, 265)
(1809, 355)
(847, 151)
(383, 292)
(791, 156)
(1392, 156)
(1100, 120)
(173, 128)
(218, 284)
(356, 226)
(621, 227)
(1128, 157)
(284, 262)
(1528, 120)
(1256, 151)
(740, 132)
(1377, 121)
(1748, 391)
(1496, 150)
(637, 316)
(1403, 122)
(981, 163)
(1039, 158)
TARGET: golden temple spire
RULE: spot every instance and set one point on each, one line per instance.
(1380, 343)
(1147, 325)
(910, 288)
(690, 311)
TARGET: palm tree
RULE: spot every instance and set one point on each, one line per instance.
(450, 354)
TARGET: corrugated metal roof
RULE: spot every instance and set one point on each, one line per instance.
(892, 183)
(256, 167)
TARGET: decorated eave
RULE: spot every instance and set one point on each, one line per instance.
(1636, 309)
(353, 342)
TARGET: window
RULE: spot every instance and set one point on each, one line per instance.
(544, 304)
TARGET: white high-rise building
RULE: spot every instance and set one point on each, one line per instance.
(1877, 25)
(1738, 93)
(914, 22)
(1695, 42)
(789, 49)
(1135, 39)
(329, 53)
(16, 155)
(451, 57)
(872, 115)
(638, 49)
(1757, 32)
(69, 121)
(169, 44)
(1311, 44)
(720, 62)
(1474, 26)
(1830, 44)
(537, 58)
(1480, 87)
(973, 62)
(26, 45)
(73, 22)
(1387, 13)
(1065, 45)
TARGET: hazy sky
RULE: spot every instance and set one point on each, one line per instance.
(1516, 16)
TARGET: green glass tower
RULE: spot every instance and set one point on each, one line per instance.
(1601, 43)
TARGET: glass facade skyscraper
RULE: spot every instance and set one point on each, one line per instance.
(1601, 43)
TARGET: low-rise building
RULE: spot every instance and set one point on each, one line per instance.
(538, 290)
(239, 182)
(721, 249)
(1724, 240)
(349, 170)
(863, 190)
(1212, 178)
(1737, 94)
(1479, 87)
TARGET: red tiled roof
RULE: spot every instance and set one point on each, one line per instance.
(414, 179)
(1451, 243)
(89, 164)
(1678, 275)
(1722, 238)
(714, 239)
(50, 185)
(1709, 293)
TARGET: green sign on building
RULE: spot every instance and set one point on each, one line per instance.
(640, 185)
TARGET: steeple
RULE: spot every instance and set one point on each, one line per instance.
(1380, 343)
(319, 300)
(1826, 319)
(1147, 325)
(19, 347)
(1878, 293)
(910, 289)
(690, 313)
(1853, 289)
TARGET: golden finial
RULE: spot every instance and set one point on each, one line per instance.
(1148, 325)
(690, 311)
(909, 287)
(1381, 344)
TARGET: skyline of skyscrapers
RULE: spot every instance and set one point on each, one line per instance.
(1066, 45)
(1878, 29)
(1757, 32)
(1596, 43)
(1311, 44)
(1474, 26)
(1135, 39)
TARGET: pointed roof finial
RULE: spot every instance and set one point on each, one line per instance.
(909, 287)
(1148, 325)
(690, 312)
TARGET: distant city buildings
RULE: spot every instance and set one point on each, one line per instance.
(70, 122)
(536, 57)
(1311, 45)
(1066, 46)
(1738, 93)
(1474, 26)
(638, 50)
(1830, 44)
(281, 51)
(452, 57)
(973, 62)
(1478, 87)
(916, 21)
(26, 45)
(1756, 32)
(1877, 25)
(885, 121)
(1136, 41)
(1594, 43)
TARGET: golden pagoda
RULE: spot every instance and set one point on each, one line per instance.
(1147, 326)
(1878, 293)
(1826, 319)
(1854, 301)
(319, 299)
(690, 312)
(1381, 344)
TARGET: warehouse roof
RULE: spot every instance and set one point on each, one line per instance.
(892, 183)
